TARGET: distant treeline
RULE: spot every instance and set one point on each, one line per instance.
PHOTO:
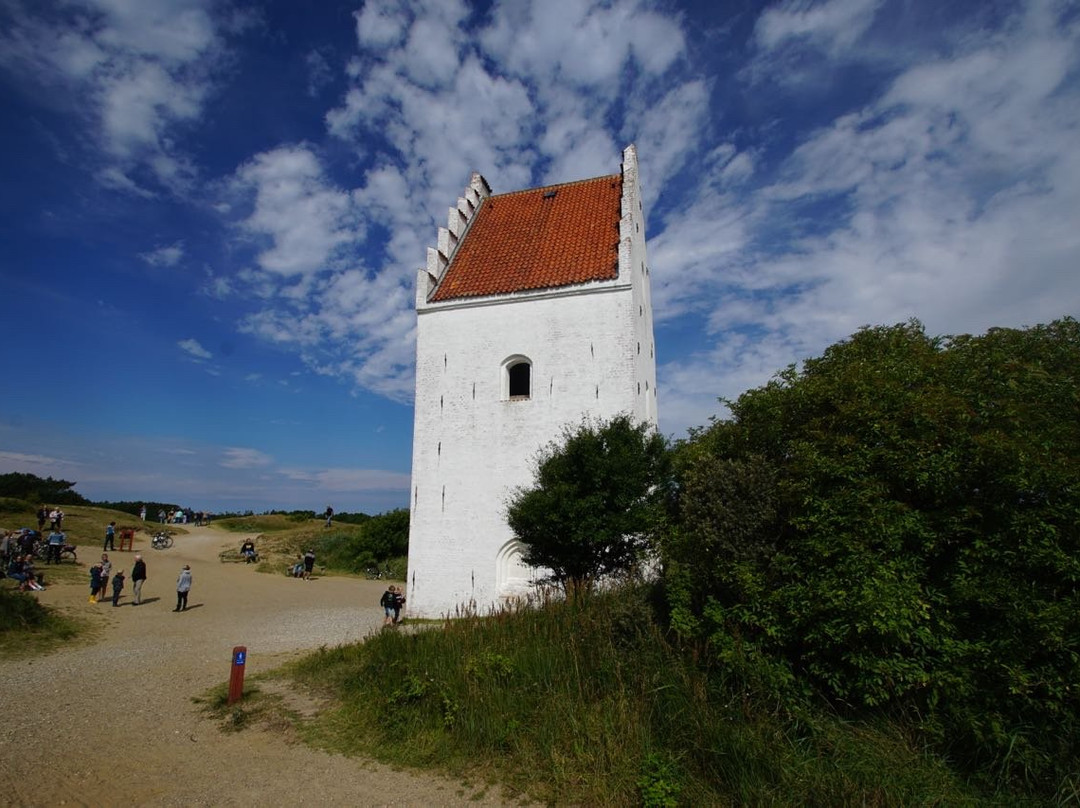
(37, 491)
(34, 489)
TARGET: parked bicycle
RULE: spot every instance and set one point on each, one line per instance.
(162, 540)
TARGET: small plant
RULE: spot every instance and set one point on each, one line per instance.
(660, 782)
(489, 665)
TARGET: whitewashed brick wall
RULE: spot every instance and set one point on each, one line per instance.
(592, 354)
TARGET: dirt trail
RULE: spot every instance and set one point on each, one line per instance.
(111, 722)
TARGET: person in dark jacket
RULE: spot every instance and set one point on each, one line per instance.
(117, 587)
(138, 575)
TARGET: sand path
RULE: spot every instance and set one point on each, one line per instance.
(111, 722)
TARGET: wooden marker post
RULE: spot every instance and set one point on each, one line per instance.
(236, 678)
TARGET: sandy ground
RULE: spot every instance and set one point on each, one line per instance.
(111, 722)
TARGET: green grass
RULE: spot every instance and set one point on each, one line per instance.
(590, 705)
(339, 549)
(84, 525)
(28, 628)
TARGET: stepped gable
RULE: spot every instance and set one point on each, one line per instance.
(541, 238)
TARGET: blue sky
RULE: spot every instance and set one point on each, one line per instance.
(211, 213)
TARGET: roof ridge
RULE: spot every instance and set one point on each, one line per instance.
(556, 185)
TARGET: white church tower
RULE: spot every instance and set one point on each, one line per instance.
(533, 312)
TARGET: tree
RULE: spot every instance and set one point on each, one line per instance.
(896, 524)
(597, 502)
(37, 491)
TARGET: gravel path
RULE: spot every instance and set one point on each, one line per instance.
(111, 722)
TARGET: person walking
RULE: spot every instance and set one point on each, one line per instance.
(388, 601)
(55, 547)
(138, 575)
(183, 586)
(117, 587)
(110, 537)
(329, 514)
(309, 564)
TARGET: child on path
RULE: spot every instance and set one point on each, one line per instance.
(95, 582)
(117, 587)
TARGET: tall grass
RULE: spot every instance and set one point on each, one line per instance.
(27, 627)
(589, 704)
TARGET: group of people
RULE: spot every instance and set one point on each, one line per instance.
(304, 565)
(21, 569)
(392, 601)
(101, 576)
(17, 552)
(54, 516)
(181, 516)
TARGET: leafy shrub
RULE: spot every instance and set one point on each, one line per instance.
(20, 611)
(896, 525)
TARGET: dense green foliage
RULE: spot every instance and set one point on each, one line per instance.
(590, 706)
(597, 504)
(32, 488)
(895, 526)
(373, 543)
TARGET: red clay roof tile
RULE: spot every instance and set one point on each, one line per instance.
(541, 238)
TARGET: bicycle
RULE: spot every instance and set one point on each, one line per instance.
(161, 541)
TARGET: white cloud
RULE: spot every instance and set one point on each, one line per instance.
(831, 26)
(165, 256)
(304, 218)
(192, 347)
(951, 196)
(241, 458)
(345, 479)
(381, 23)
(30, 463)
(135, 71)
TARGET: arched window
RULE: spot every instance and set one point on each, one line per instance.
(517, 379)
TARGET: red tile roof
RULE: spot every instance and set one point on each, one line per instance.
(541, 238)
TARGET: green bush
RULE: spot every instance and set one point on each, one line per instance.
(20, 611)
(895, 526)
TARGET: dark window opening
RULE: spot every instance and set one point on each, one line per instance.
(519, 380)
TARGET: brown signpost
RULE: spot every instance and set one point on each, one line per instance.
(127, 538)
(236, 678)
